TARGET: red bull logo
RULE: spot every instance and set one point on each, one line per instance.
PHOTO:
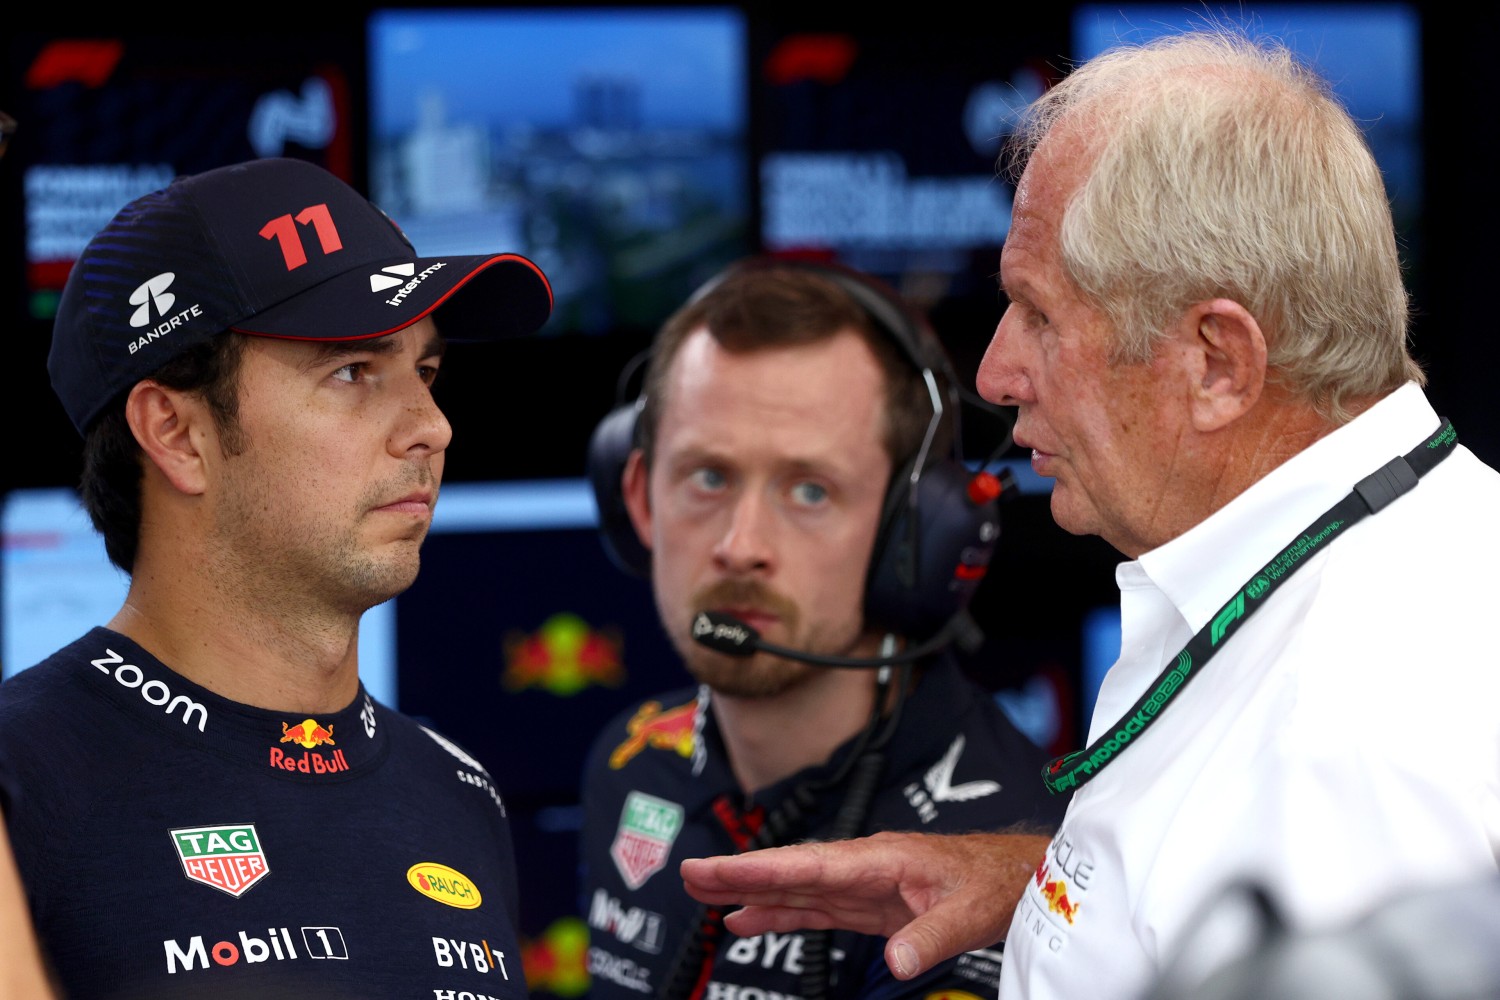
(563, 657)
(307, 734)
(674, 729)
(309, 763)
(557, 961)
(1055, 892)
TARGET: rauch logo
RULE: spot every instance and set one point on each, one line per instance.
(444, 884)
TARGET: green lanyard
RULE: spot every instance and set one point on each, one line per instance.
(1369, 496)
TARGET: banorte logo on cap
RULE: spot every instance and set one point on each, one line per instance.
(153, 292)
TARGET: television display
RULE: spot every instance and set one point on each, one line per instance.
(877, 146)
(607, 144)
(1371, 53)
(106, 118)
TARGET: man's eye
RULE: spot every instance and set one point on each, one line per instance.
(809, 494)
(350, 372)
(708, 479)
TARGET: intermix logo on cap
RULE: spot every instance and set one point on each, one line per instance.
(152, 290)
(396, 274)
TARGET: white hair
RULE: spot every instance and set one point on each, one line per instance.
(1223, 167)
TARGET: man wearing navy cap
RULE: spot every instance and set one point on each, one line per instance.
(204, 798)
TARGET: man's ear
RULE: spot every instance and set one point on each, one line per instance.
(635, 482)
(1226, 354)
(169, 425)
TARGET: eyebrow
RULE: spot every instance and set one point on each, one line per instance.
(387, 345)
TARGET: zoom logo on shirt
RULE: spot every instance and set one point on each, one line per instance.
(154, 692)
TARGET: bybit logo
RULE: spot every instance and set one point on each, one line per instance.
(153, 290)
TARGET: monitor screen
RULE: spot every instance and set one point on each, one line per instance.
(1371, 54)
(877, 146)
(106, 119)
(608, 145)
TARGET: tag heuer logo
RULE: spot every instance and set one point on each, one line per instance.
(153, 290)
(648, 826)
(228, 858)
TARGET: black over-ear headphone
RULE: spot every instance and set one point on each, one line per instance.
(940, 520)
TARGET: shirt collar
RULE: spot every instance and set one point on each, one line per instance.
(1200, 569)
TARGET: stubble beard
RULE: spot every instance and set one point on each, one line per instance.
(762, 675)
(292, 568)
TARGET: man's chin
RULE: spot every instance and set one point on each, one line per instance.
(758, 676)
(377, 581)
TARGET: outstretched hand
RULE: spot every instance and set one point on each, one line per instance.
(934, 896)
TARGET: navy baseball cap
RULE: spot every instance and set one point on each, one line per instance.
(272, 248)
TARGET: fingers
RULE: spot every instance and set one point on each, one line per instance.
(946, 930)
(787, 869)
(933, 896)
(850, 884)
(752, 920)
(975, 910)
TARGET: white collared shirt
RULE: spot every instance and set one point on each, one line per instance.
(1342, 747)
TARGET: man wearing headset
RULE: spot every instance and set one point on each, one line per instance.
(767, 483)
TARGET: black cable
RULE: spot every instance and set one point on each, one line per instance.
(817, 945)
(854, 811)
(861, 767)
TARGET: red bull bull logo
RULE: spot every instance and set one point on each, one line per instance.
(557, 961)
(565, 656)
(1055, 892)
(307, 734)
(674, 729)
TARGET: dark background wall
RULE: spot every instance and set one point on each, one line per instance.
(524, 410)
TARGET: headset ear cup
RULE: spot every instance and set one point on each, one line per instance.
(920, 579)
(609, 448)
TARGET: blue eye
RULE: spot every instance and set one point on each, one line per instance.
(709, 479)
(809, 494)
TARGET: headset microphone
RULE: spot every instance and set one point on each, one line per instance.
(727, 634)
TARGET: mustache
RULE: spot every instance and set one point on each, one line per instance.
(745, 594)
(414, 476)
